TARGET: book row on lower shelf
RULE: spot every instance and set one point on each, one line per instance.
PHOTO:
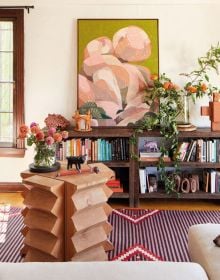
(99, 149)
(185, 182)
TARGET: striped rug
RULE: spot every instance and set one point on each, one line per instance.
(10, 236)
(137, 234)
(154, 234)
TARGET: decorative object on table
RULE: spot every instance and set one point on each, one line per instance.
(57, 121)
(213, 111)
(83, 122)
(45, 141)
(77, 160)
(115, 60)
(186, 127)
(85, 168)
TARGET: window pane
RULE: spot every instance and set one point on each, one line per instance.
(6, 127)
(6, 25)
(6, 66)
(6, 36)
(6, 97)
(11, 78)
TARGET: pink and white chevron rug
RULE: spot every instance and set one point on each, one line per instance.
(154, 234)
(137, 234)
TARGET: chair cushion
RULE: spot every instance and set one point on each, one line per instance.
(203, 250)
(102, 270)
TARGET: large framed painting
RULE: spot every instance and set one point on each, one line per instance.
(116, 61)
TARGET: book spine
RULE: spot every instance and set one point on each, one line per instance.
(191, 149)
(204, 158)
(142, 180)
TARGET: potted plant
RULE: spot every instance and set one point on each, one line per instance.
(170, 97)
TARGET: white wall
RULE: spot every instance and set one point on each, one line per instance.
(186, 31)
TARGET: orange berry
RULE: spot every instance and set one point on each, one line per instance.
(167, 85)
(192, 89)
(203, 87)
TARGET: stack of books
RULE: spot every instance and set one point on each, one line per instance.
(152, 156)
(115, 185)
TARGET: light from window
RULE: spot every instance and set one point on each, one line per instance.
(6, 82)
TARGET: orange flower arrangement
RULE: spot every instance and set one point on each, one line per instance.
(44, 140)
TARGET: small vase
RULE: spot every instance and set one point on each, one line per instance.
(183, 116)
(45, 155)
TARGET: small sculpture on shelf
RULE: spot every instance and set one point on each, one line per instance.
(82, 122)
(151, 146)
(213, 111)
(77, 160)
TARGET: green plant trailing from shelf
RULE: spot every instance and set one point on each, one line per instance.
(169, 96)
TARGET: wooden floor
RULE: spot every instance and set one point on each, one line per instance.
(16, 199)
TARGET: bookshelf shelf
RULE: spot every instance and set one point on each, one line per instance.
(186, 166)
(120, 195)
(124, 169)
(196, 195)
(202, 165)
(128, 170)
(116, 163)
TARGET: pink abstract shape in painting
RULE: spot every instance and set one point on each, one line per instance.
(92, 64)
(105, 80)
(86, 90)
(101, 45)
(131, 115)
(132, 44)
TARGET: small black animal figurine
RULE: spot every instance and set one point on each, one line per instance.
(75, 160)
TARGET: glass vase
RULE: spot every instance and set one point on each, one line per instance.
(45, 155)
(183, 116)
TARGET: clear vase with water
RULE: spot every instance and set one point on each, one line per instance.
(183, 116)
(45, 155)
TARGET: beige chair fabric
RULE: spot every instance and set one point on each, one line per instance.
(114, 270)
(202, 250)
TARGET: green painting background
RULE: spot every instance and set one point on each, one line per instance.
(90, 29)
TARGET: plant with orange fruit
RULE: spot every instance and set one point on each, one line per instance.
(199, 82)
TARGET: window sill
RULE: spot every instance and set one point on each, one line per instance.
(12, 152)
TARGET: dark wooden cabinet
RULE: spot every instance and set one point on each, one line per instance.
(127, 165)
(132, 191)
(200, 133)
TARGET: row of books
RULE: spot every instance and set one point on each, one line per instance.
(211, 181)
(148, 182)
(96, 149)
(200, 150)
